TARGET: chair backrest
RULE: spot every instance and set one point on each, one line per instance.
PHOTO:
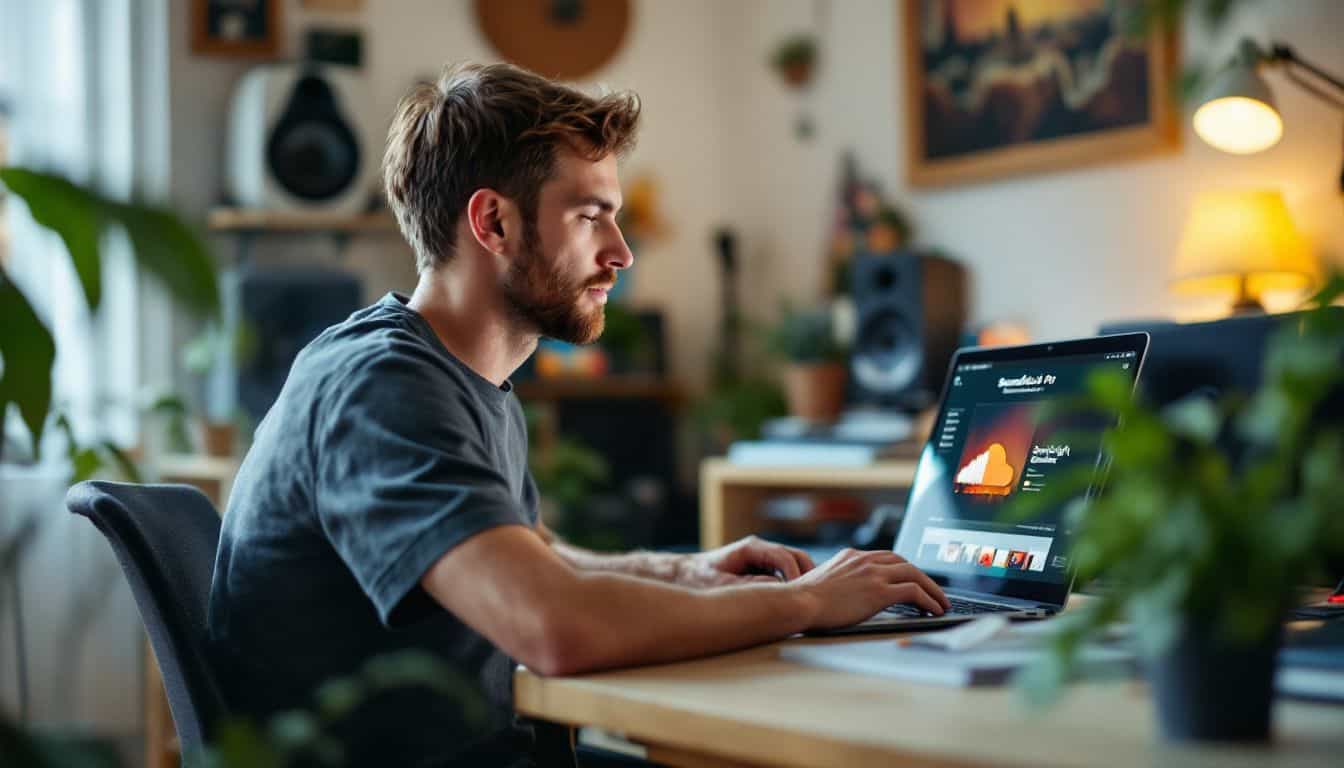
(165, 537)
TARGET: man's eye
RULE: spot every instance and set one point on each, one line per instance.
(590, 219)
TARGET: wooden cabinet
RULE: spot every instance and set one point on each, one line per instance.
(730, 494)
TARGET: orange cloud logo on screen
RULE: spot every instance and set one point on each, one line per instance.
(989, 473)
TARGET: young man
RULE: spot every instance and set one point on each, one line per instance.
(386, 502)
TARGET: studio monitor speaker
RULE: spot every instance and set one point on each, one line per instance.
(300, 139)
(909, 312)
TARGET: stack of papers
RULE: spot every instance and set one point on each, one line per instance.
(1311, 663)
(987, 651)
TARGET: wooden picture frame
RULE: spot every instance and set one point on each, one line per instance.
(238, 28)
(964, 115)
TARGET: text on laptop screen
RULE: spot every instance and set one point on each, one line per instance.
(991, 443)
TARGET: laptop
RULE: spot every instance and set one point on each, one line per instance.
(991, 442)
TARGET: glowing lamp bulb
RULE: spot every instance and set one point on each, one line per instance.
(1238, 124)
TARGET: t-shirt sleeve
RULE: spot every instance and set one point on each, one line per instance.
(403, 475)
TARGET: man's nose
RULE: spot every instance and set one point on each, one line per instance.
(619, 256)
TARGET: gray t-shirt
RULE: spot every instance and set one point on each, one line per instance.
(382, 453)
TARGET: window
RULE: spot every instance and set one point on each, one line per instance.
(66, 78)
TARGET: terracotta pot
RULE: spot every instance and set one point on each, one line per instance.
(797, 73)
(219, 438)
(815, 391)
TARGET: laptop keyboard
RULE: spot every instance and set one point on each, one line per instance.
(959, 607)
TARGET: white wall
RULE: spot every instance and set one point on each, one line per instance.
(669, 58)
(1061, 251)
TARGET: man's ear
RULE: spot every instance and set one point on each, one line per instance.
(494, 221)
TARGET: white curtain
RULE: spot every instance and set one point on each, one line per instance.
(67, 74)
(85, 85)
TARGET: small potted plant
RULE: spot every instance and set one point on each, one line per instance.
(794, 60)
(1213, 514)
(815, 375)
(212, 357)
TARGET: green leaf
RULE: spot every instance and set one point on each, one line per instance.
(85, 464)
(339, 697)
(122, 461)
(168, 405)
(1196, 418)
(174, 253)
(1261, 423)
(27, 352)
(1329, 292)
(294, 730)
(72, 213)
(239, 744)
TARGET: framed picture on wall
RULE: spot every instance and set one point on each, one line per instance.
(244, 28)
(1003, 87)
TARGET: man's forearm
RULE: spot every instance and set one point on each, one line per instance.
(661, 566)
(613, 620)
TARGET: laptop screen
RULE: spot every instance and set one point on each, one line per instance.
(993, 441)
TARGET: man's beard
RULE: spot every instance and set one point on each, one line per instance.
(549, 302)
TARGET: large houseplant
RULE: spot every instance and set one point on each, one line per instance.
(161, 244)
(1212, 516)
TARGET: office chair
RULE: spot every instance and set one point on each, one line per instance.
(165, 538)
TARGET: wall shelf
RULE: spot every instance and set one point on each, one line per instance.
(614, 386)
(248, 220)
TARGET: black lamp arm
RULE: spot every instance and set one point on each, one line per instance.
(1280, 53)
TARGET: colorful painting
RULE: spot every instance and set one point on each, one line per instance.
(997, 87)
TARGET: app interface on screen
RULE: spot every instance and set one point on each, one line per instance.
(994, 441)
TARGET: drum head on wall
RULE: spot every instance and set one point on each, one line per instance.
(562, 39)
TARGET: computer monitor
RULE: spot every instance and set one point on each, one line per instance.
(1216, 359)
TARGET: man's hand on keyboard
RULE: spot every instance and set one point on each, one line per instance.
(745, 560)
(854, 585)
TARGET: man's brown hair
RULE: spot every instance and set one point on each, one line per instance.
(495, 126)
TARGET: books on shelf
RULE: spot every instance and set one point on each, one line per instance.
(803, 453)
(858, 439)
(857, 426)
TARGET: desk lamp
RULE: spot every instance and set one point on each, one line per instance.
(1237, 112)
(1242, 243)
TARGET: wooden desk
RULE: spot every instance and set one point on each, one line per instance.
(730, 494)
(753, 709)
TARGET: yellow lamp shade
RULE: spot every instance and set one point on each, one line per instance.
(1239, 125)
(1241, 243)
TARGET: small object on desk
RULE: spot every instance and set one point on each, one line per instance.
(986, 651)
(1331, 607)
(1311, 662)
(1327, 610)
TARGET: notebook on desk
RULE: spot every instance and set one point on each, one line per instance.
(988, 651)
(993, 440)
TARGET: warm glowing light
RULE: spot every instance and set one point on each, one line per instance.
(1241, 243)
(1239, 125)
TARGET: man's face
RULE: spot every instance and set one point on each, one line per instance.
(571, 253)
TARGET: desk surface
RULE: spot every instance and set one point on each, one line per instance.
(752, 707)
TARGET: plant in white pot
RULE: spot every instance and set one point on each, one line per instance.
(1212, 516)
(213, 359)
(815, 373)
